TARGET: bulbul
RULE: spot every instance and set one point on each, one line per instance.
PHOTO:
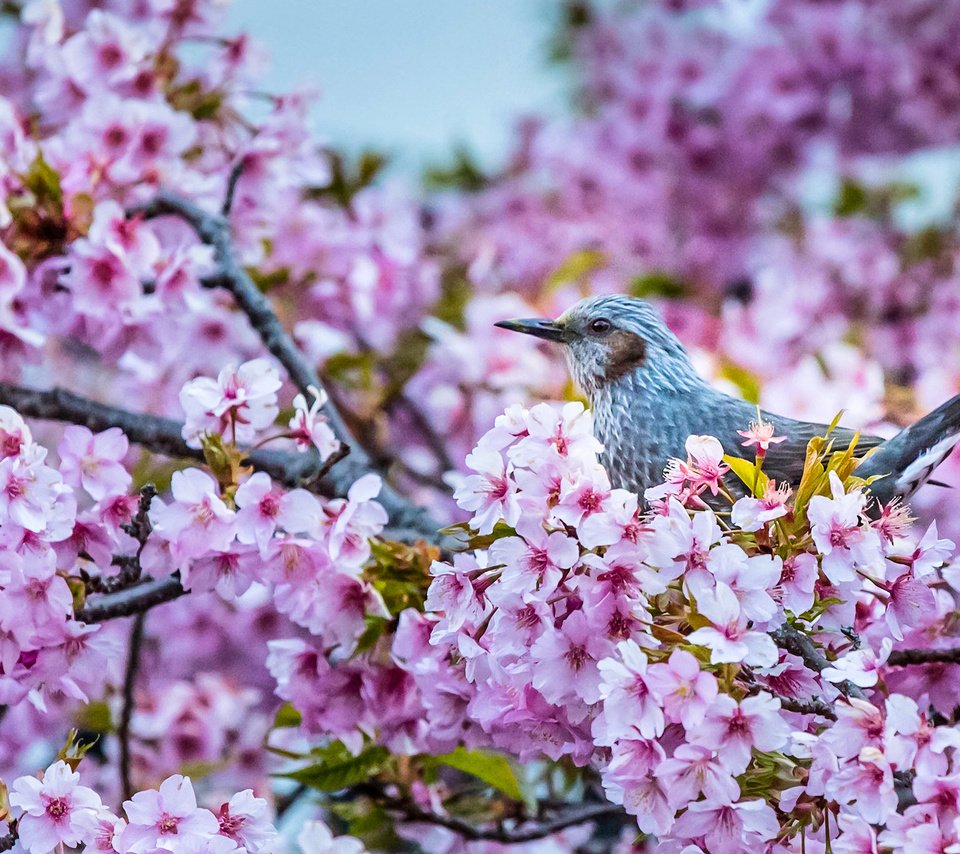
(647, 399)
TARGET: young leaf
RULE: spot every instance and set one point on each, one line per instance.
(492, 768)
(339, 769)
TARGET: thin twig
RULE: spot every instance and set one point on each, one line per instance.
(905, 657)
(528, 832)
(126, 714)
(232, 181)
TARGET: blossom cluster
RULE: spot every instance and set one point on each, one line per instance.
(644, 644)
(56, 810)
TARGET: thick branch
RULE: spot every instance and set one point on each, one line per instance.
(905, 657)
(795, 641)
(153, 432)
(214, 230)
(132, 600)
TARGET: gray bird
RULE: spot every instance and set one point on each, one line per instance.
(647, 399)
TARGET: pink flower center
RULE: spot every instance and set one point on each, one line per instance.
(576, 656)
(538, 560)
(497, 488)
(590, 501)
(561, 444)
(103, 272)
(230, 824)
(14, 488)
(168, 823)
(270, 505)
(58, 808)
(11, 444)
(110, 56)
(526, 617)
(838, 536)
(203, 513)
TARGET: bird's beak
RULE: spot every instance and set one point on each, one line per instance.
(549, 330)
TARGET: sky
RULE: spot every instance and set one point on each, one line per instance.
(412, 77)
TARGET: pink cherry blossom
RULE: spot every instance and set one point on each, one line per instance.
(236, 405)
(629, 704)
(490, 494)
(761, 436)
(94, 462)
(687, 691)
(734, 729)
(309, 427)
(263, 507)
(729, 638)
(196, 520)
(166, 818)
(567, 661)
(52, 808)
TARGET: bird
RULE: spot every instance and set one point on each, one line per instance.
(647, 399)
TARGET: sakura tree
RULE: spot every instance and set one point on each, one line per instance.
(295, 548)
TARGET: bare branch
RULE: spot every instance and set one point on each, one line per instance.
(906, 657)
(232, 182)
(126, 714)
(528, 831)
(132, 600)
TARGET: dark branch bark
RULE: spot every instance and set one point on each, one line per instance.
(9, 839)
(153, 432)
(214, 230)
(527, 832)
(905, 657)
(132, 600)
(126, 714)
(795, 641)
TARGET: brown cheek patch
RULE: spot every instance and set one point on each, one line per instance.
(627, 351)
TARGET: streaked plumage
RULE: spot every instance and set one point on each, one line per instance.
(647, 399)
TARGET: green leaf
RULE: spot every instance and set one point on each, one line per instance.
(657, 284)
(492, 768)
(747, 471)
(286, 717)
(43, 181)
(746, 381)
(576, 267)
(375, 627)
(94, 717)
(338, 769)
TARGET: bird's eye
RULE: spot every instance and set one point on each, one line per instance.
(600, 325)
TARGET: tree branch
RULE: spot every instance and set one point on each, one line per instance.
(9, 839)
(155, 433)
(905, 657)
(214, 230)
(528, 832)
(132, 600)
(795, 641)
(126, 714)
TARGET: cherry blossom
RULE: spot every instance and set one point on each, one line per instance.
(52, 808)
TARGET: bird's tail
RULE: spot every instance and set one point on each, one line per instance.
(907, 460)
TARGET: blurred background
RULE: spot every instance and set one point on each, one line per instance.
(413, 79)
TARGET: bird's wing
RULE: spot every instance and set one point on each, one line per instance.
(784, 462)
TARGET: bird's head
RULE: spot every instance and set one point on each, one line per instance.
(614, 339)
